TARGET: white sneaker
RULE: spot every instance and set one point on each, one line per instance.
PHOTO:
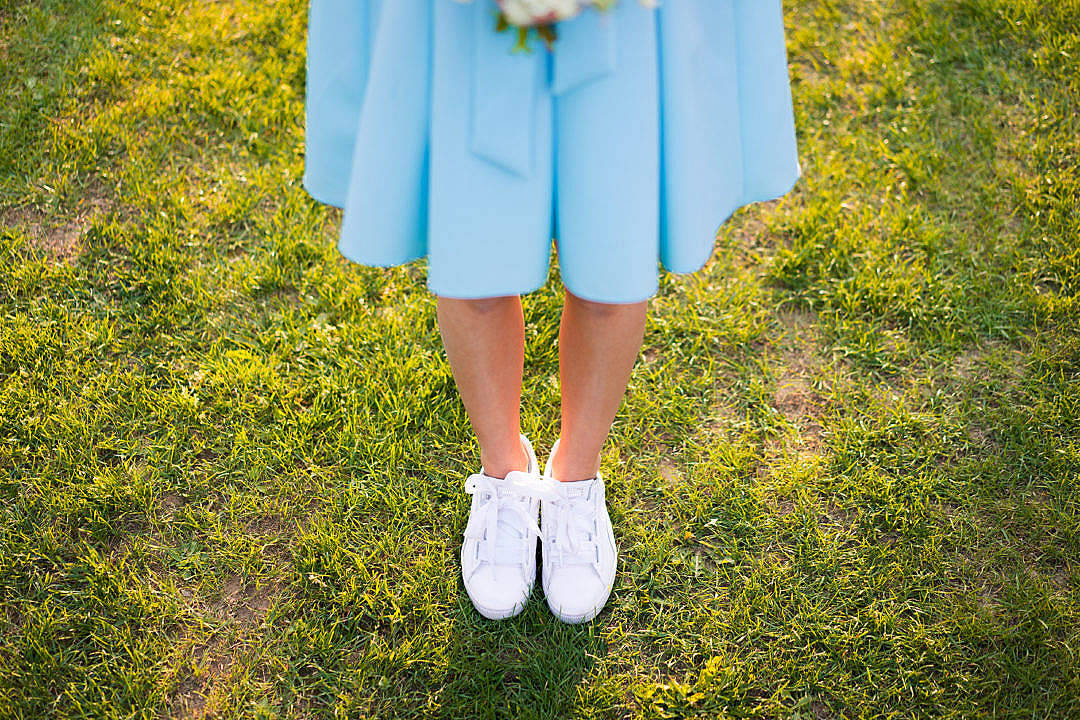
(498, 556)
(579, 551)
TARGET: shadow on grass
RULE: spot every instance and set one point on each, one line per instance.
(451, 664)
(529, 667)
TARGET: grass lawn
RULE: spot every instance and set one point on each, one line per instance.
(843, 480)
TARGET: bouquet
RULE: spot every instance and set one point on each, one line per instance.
(532, 13)
(540, 16)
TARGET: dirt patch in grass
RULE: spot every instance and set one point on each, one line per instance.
(189, 700)
(57, 235)
(992, 360)
(968, 362)
(980, 436)
(670, 473)
(272, 525)
(59, 242)
(203, 666)
(171, 502)
(794, 397)
(801, 406)
(245, 603)
(780, 505)
(799, 321)
(1061, 579)
(197, 694)
(839, 517)
(650, 354)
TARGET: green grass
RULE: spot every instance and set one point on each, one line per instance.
(844, 478)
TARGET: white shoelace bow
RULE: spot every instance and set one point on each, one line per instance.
(518, 488)
(575, 535)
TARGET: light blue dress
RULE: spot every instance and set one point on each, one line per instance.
(629, 144)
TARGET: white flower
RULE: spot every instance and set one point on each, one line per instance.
(532, 12)
(541, 12)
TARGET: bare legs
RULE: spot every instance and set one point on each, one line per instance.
(485, 344)
(598, 344)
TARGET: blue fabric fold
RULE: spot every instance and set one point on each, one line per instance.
(504, 90)
(584, 51)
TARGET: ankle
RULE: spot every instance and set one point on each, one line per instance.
(498, 465)
(566, 467)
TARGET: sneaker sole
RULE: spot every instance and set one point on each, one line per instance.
(503, 614)
(578, 618)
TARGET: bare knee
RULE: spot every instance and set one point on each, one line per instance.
(478, 306)
(603, 309)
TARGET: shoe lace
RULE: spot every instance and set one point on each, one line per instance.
(501, 503)
(574, 536)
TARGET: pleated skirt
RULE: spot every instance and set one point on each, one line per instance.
(629, 143)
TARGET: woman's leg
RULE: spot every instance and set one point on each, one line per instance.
(485, 344)
(598, 344)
